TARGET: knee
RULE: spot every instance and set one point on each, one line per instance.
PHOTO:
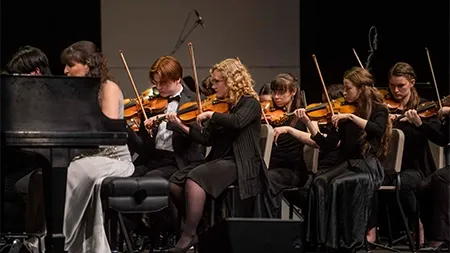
(174, 188)
(319, 181)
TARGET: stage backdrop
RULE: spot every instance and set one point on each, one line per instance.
(263, 34)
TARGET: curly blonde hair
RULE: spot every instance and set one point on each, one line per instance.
(239, 80)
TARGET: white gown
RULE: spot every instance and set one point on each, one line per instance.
(83, 216)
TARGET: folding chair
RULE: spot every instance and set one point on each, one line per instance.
(392, 165)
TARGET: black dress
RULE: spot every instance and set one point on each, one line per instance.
(340, 199)
(235, 153)
(434, 198)
(287, 166)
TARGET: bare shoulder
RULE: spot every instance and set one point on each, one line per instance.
(111, 88)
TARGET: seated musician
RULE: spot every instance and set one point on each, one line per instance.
(327, 158)
(235, 154)
(417, 161)
(20, 164)
(83, 215)
(340, 199)
(167, 150)
(265, 93)
(434, 195)
(287, 167)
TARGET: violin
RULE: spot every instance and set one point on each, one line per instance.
(151, 102)
(188, 112)
(389, 100)
(428, 109)
(320, 112)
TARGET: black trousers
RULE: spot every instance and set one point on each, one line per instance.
(161, 164)
(434, 203)
(410, 180)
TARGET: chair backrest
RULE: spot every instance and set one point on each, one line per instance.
(438, 154)
(447, 155)
(393, 160)
(266, 143)
(311, 156)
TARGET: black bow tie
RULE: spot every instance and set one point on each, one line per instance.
(176, 98)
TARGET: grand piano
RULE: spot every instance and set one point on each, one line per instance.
(57, 117)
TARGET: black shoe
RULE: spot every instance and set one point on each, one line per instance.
(194, 242)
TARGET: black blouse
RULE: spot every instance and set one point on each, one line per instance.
(288, 153)
(349, 136)
(416, 152)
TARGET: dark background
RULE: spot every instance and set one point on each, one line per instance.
(49, 25)
(329, 29)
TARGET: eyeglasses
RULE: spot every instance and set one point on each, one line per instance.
(215, 81)
(279, 93)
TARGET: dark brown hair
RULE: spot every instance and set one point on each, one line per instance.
(405, 70)
(87, 53)
(286, 82)
(368, 98)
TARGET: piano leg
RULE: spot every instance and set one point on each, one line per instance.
(55, 179)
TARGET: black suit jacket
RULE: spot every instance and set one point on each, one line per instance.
(245, 120)
(186, 151)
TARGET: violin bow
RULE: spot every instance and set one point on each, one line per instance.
(323, 84)
(434, 78)
(132, 83)
(357, 58)
(194, 71)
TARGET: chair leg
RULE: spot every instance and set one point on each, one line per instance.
(213, 206)
(417, 223)
(389, 224)
(291, 211)
(111, 231)
(405, 222)
(125, 233)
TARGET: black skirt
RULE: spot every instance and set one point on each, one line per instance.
(213, 176)
(340, 203)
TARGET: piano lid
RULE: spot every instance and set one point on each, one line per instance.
(54, 105)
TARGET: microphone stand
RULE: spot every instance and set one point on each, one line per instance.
(373, 47)
(182, 40)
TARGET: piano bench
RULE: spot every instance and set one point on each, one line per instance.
(131, 195)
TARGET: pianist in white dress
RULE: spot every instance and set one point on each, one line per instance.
(83, 216)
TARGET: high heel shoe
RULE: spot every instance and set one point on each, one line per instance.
(194, 241)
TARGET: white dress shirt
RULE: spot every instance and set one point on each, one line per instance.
(163, 139)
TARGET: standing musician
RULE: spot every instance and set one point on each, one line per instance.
(340, 199)
(235, 154)
(166, 149)
(434, 196)
(287, 167)
(417, 163)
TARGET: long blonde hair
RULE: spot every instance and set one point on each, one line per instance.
(239, 80)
